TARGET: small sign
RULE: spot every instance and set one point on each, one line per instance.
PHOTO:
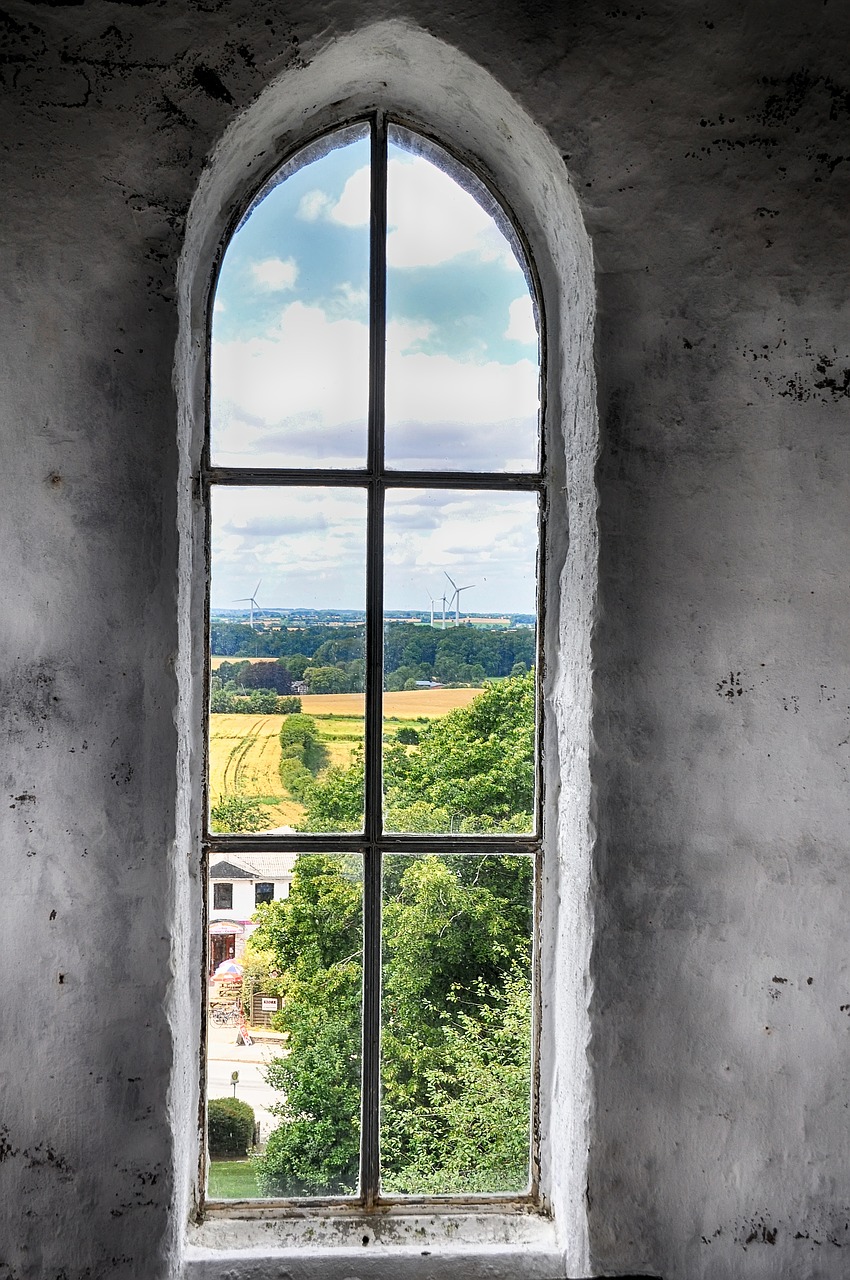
(269, 1004)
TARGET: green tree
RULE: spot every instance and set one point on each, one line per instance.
(299, 740)
(316, 937)
(456, 963)
(239, 813)
(295, 664)
(456, 1014)
(267, 675)
(471, 1132)
(326, 679)
(473, 771)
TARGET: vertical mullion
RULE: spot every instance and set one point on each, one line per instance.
(371, 1085)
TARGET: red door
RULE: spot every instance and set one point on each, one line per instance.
(222, 947)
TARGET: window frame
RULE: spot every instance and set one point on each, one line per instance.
(372, 842)
(267, 897)
(218, 891)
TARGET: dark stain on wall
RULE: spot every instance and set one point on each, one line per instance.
(211, 83)
(730, 687)
(41, 1156)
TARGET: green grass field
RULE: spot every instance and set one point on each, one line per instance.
(232, 1180)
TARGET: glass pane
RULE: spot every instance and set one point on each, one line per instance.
(287, 658)
(462, 389)
(456, 1033)
(290, 333)
(284, 1027)
(459, 652)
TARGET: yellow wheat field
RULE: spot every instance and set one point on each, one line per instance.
(244, 759)
(407, 705)
(245, 749)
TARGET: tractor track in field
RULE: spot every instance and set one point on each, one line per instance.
(236, 759)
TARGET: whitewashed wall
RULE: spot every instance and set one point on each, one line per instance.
(708, 148)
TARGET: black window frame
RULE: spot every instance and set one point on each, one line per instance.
(218, 892)
(268, 895)
(373, 842)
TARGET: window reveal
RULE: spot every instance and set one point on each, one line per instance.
(374, 407)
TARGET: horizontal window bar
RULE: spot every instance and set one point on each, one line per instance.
(412, 844)
(531, 480)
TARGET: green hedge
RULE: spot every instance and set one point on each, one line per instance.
(230, 1126)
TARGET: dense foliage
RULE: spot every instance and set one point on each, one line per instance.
(239, 813)
(456, 997)
(330, 659)
(230, 1125)
(302, 754)
(259, 702)
(470, 771)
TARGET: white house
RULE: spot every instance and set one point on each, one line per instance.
(238, 884)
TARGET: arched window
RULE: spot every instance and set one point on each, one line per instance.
(376, 496)
(432, 91)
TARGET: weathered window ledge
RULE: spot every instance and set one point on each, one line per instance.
(419, 1246)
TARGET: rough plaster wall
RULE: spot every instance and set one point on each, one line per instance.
(710, 143)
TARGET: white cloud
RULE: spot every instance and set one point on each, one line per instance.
(352, 207)
(430, 218)
(356, 301)
(298, 395)
(436, 388)
(304, 380)
(219, 307)
(314, 205)
(275, 274)
(487, 542)
(402, 334)
(307, 545)
(521, 326)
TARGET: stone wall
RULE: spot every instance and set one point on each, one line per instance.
(708, 146)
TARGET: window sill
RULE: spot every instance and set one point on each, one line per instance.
(419, 1246)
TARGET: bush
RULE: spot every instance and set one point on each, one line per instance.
(295, 777)
(239, 813)
(299, 741)
(230, 1125)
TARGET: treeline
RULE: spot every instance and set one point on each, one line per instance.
(239, 678)
(302, 755)
(259, 688)
(330, 659)
(259, 702)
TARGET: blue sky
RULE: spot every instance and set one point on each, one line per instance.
(289, 380)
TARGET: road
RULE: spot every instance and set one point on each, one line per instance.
(224, 1056)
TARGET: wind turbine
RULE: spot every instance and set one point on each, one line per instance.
(252, 599)
(433, 602)
(456, 597)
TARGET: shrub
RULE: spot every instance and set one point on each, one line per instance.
(238, 813)
(230, 1126)
(295, 777)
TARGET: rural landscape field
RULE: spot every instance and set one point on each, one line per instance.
(245, 750)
